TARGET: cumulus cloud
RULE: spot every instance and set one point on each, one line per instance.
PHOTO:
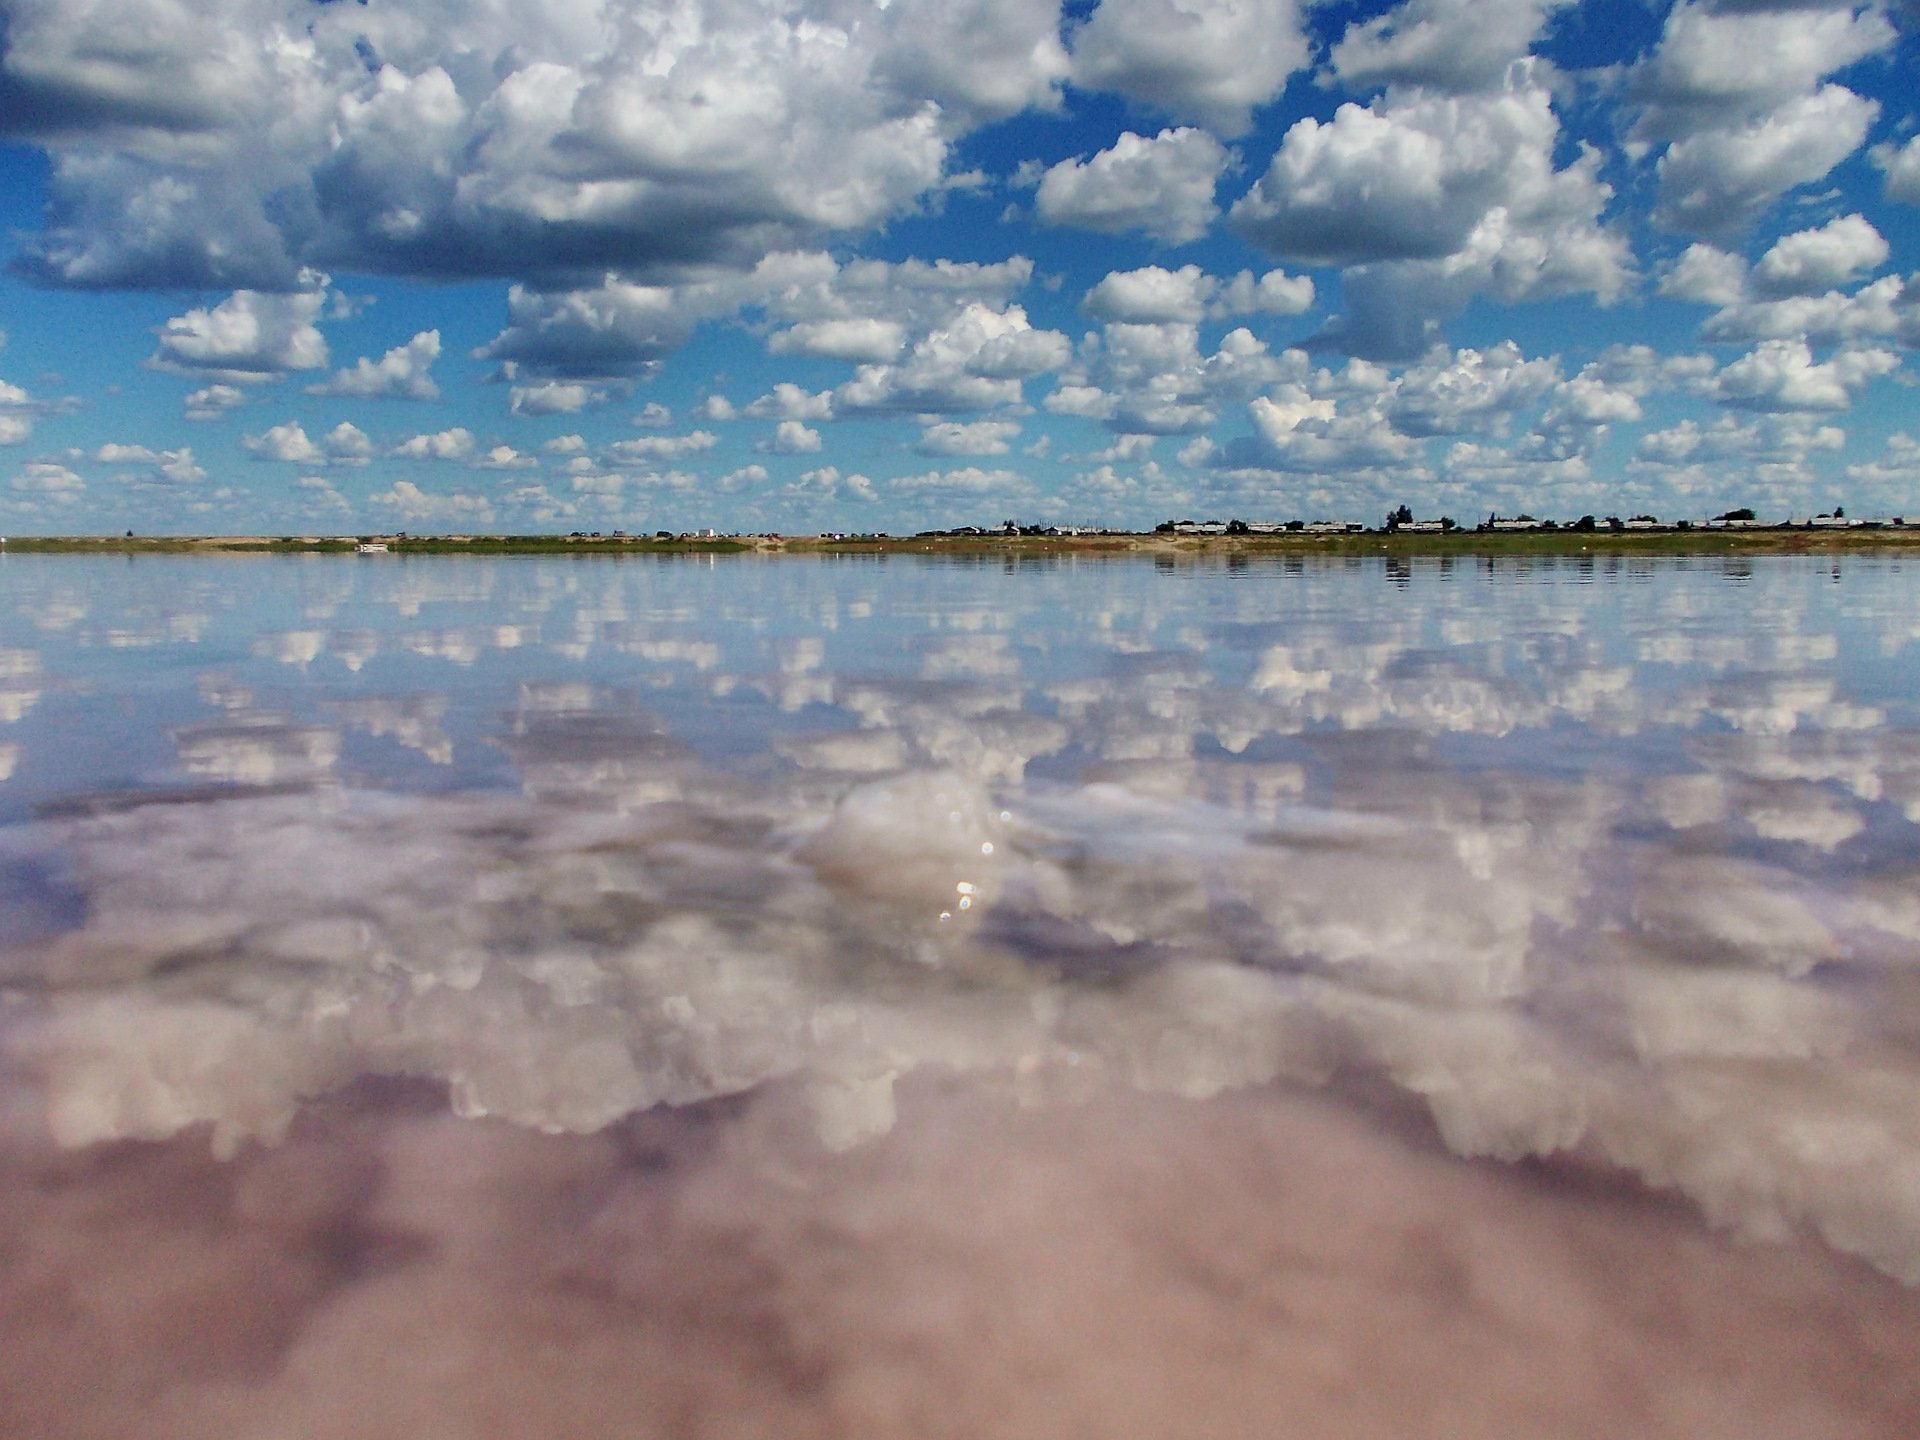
(651, 449)
(249, 337)
(345, 444)
(1151, 295)
(614, 329)
(403, 373)
(1810, 261)
(1274, 293)
(1448, 45)
(976, 361)
(980, 437)
(48, 479)
(232, 149)
(791, 437)
(1782, 375)
(213, 402)
(454, 444)
(1772, 452)
(982, 59)
(288, 443)
(1303, 432)
(1719, 66)
(1901, 164)
(156, 467)
(788, 401)
(1212, 60)
(855, 338)
(1717, 182)
(1154, 295)
(555, 397)
(1706, 275)
(1405, 178)
(1162, 187)
(1469, 391)
(409, 503)
(505, 457)
(1435, 199)
(17, 412)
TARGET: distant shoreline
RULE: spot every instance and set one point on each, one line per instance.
(1459, 542)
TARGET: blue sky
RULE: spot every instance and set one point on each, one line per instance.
(282, 266)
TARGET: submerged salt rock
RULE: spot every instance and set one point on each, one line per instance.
(912, 841)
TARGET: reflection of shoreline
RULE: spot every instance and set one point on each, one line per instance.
(1462, 542)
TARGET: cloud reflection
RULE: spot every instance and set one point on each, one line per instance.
(1572, 890)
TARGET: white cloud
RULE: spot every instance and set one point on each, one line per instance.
(213, 402)
(1162, 187)
(853, 338)
(1409, 177)
(554, 397)
(414, 506)
(788, 401)
(985, 59)
(1810, 261)
(650, 449)
(1773, 452)
(1090, 402)
(968, 482)
(981, 437)
(345, 444)
(1706, 275)
(1781, 375)
(1901, 163)
(1212, 60)
(403, 373)
(233, 145)
(250, 336)
(651, 415)
(616, 328)
(1274, 293)
(1718, 182)
(288, 443)
(1152, 295)
(162, 467)
(976, 361)
(716, 408)
(1720, 65)
(1896, 473)
(17, 412)
(44, 477)
(1436, 199)
(454, 444)
(505, 457)
(1469, 391)
(1887, 308)
(790, 437)
(1450, 45)
(1304, 432)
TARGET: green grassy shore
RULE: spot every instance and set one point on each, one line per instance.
(1462, 542)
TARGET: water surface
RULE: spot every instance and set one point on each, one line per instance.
(875, 996)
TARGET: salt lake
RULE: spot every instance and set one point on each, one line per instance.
(883, 995)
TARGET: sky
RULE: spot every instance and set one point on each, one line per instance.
(284, 266)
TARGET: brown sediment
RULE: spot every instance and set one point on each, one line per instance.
(1263, 1263)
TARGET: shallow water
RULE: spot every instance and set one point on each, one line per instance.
(459, 997)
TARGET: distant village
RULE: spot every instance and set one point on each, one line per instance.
(1403, 521)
